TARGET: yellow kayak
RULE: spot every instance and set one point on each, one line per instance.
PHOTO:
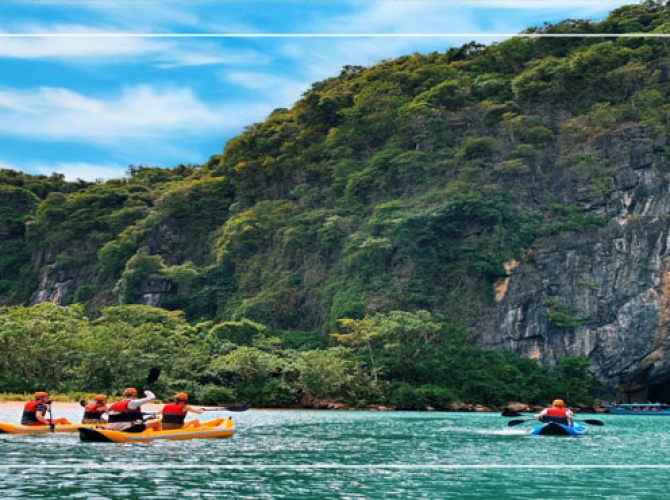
(7, 428)
(218, 428)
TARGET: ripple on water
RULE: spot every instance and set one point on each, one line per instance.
(323, 455)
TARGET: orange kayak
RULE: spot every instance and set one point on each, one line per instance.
(218, 428)
(7, 428)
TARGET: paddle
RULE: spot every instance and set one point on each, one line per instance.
(589, 421)
(52, 426)
(244, 407)
(154, 373)
(592, 421)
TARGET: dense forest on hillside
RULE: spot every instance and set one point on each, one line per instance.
(341, 248)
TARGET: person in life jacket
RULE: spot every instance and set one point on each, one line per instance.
(127, 413)
(94, 411)
(558, 412)
(174, 413)
(34, 412)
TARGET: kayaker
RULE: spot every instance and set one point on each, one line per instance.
(94, 411)
(34, 412)
(558, 412)
(128, 412)
(174, 413)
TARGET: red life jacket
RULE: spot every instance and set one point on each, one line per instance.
(173, 413)
(94, 411)
(557, 412)
(30, 410)
(122, 413)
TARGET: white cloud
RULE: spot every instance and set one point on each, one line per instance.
(138, 118)
(96, 48)
(279, 90)
(469, 16)
(80, 170)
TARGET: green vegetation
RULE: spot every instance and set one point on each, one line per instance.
(411, 360)
(385, 192)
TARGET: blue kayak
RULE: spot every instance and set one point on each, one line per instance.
(557, 429)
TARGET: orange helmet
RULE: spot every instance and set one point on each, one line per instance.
(182, 396)
(41, 394)
(130, 391)
(100, 398)
(558, 402)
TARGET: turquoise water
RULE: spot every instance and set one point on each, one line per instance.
(349, 455)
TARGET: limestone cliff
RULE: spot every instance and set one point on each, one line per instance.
(602, 293)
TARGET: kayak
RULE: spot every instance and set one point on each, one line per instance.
(557, 429)
(217, 428)
(7, 428)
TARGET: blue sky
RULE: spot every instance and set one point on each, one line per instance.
(90, 87)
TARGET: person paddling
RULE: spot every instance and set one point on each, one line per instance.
(127, 413)
(34, 412)
(94, 411)
(558, 413)
(174, 413)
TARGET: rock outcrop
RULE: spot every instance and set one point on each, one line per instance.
(603, 293)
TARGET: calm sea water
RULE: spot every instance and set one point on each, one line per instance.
(349, 455)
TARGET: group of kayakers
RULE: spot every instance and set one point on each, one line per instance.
(127, 414)
(121, 415)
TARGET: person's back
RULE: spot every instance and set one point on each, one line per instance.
(174, 414)
(558, 412)
(94, 411)
(127, 413)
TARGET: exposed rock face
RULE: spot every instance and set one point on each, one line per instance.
(603, 293)
(153, 291)
(57, 282)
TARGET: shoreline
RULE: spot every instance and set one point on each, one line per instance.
(154, 407)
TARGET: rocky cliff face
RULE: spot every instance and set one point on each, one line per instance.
(603, 293)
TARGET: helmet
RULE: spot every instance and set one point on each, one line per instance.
(130, 391)
(181, 396)
(100, 398)
(558, 402)
(41, 394)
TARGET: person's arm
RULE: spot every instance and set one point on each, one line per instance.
(136, 403)
(541, 414)
(39, 414)
(193, 409)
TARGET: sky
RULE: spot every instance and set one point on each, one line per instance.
(90, 87)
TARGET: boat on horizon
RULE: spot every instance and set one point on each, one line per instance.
(638, 408)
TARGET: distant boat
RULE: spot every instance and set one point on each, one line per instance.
(638, 409)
